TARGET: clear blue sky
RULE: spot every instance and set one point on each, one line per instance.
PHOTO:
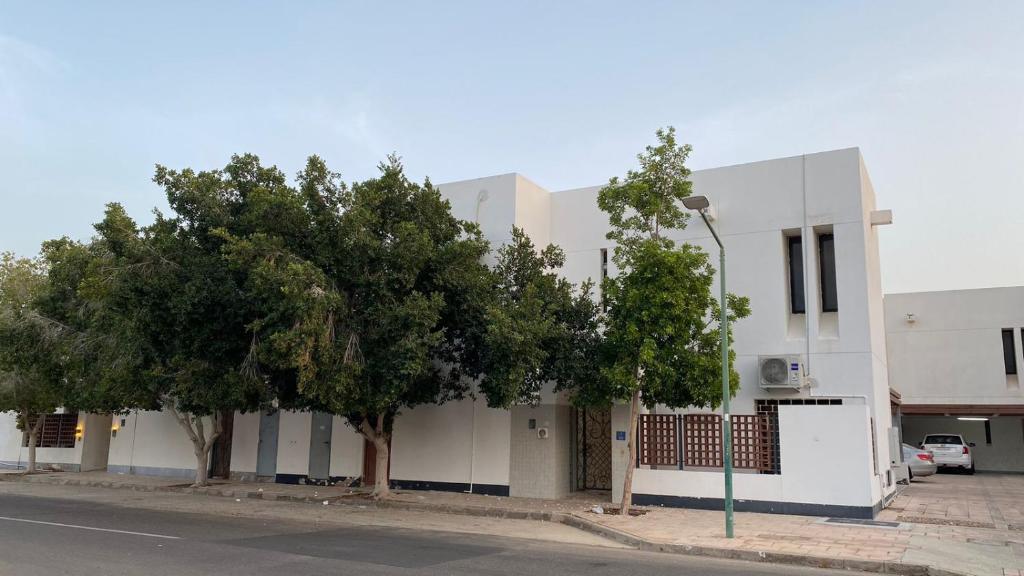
(92, 95)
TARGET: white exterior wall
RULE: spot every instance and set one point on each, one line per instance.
(953, 351)
(815, 470)
(346, 450)
(459, 442)
(151, 443)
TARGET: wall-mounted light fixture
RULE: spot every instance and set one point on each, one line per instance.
(973, 418)
(79, 431)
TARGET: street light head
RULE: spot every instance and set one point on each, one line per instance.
(696, 202)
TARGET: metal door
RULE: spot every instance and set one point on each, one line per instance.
(593, 449)
(320, 446)
(266, 454)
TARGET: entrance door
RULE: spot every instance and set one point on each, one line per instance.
(370, 462)
(96, 441)
(593, 449)
(320, 446)
(220, 457)
(266, 454)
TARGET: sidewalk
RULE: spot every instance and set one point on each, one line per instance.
(909, 548)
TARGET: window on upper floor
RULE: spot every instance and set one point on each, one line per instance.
(795, 262)
(604, 275)
(1009, 352)
(827, 273)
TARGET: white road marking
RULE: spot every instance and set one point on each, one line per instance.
(90, 528)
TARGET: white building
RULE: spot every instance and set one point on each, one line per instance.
(955, 358)
(802, 245)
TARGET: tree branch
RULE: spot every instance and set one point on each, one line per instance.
(183, 420)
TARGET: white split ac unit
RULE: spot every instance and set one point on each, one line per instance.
(781, 372)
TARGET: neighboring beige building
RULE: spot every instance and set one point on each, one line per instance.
(955, 359)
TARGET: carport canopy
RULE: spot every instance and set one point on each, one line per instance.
(962, 409)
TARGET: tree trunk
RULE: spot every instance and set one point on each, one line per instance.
(33, 441)
(201, 445)
(627, 485)
(382, 488)
(379, 436)
(202, 469)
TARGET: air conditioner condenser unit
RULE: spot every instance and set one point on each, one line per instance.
(781, 372)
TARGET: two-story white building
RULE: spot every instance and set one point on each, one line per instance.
(802, 241)
(955, 359)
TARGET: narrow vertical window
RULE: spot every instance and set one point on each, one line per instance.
(827, 271)
(1009, 353)
(796, 274)
(604, 276)
(988, 432)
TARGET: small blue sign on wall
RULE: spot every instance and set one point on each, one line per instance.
(620, 435)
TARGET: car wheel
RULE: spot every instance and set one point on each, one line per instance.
(910, 475)
(971, 469)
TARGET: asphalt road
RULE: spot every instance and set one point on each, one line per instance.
(44, 536)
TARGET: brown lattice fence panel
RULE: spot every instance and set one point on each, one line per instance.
(702, 437)
(751, 442)
(658, 440)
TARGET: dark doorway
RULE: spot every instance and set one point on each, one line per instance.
(220, 457)
(593, 448)
(266, 453)
(370, 462)
(320, 446)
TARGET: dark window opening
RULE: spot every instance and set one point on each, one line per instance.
(604, 276)
(1009, 353)
(796, 274)
(58, 431)
(988, 432)
(827, 271)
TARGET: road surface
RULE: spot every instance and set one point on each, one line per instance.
(52, 535)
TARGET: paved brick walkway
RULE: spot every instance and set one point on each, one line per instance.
(965, 524)
(982, 500)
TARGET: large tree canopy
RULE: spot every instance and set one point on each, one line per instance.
(181, 309)
(31, 383)
(541, 329)
(384, 296)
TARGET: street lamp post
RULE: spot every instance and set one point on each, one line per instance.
(701, 205)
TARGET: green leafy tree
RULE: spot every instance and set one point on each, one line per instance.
(98, 370)
(180, 309)
(375, 314)
(661, 343)
(30, 375)
(540, 328)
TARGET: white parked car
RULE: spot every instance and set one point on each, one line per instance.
(950, 451)
(919, 462)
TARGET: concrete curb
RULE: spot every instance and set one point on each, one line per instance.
(569, 519)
